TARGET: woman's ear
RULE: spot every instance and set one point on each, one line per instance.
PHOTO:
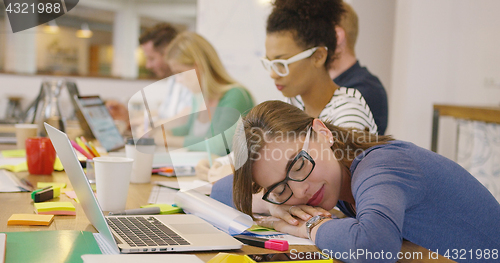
(320, 57)
(320, 128)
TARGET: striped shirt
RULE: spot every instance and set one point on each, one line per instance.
(347, 108)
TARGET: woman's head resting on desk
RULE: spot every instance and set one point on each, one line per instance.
(301, 43)
(296, 159)
(190, 51)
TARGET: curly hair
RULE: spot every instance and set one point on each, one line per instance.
(311, 21)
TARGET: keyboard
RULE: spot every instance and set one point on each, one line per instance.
(142, 231)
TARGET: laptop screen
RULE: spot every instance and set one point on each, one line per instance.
(100, 122)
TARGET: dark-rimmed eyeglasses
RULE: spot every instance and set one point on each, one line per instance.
(298, 170)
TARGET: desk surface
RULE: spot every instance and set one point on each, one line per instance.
(15, 203)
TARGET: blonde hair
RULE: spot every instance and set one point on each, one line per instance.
(349, 22)
(192, 49)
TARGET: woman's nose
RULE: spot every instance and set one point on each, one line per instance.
(273, 74)
(299, 189)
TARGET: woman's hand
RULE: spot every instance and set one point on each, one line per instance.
(298, 230)
(201, 169)
(293, 214)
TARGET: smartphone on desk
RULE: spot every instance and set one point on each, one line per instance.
(297, 257)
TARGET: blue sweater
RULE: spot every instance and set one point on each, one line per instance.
(371, 88)
(406, 192)
(403, 191)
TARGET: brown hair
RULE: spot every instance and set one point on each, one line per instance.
(161, 35)
(276, 118)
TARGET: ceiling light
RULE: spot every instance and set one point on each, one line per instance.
(51, 27)
(85, 32)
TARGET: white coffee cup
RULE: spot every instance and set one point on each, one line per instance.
(23, 132)
(142, 152)
(112, 175)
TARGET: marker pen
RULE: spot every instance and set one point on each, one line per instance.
(280, 245)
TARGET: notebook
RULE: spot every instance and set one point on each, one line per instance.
(162, 233)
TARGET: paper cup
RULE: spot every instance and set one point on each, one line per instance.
(143, 155)
(112, 175)
(23, 132)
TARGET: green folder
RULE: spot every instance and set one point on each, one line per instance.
(49, 246)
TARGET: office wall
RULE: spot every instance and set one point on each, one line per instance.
(443, 53)
(239, 36)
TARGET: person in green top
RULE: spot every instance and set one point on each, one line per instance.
(218, 99)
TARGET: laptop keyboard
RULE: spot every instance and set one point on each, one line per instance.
(142, 231)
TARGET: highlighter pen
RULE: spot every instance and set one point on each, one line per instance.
(139, 211)
(45, 194)
(280, 245)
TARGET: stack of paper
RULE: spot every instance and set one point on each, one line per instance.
(55, 208)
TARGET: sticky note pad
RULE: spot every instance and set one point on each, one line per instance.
(14, 153)
(30, 220)
(55, 208)
(53, 184)
(165, 209)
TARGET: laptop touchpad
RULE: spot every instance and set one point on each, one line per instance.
(190, 229)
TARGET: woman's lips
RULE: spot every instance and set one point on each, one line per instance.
(317, 197)
(280, 87)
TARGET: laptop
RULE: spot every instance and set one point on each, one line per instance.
(138, 234)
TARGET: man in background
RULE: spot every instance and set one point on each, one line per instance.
(346, 71)
(178, 99)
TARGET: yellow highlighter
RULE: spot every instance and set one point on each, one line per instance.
(81, 144)
(93, 149)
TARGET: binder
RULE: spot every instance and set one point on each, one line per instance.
(49, 246)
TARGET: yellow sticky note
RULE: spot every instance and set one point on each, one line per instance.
(22, 167)
(53, 206)
(165, 209)
(230, 258)
(30, 220)
(58, 165)
(14, 153)
(41, 185)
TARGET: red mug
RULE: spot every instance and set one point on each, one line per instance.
(40, 155)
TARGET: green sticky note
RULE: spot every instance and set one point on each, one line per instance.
(165, 209)
(257, 228)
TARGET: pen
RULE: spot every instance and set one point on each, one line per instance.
(96, 153)
(139, 211)
(82, 151)
(82, 145)
(280, 245)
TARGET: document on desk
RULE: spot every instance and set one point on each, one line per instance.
(216, 213)
(143, 258)
(10, 183)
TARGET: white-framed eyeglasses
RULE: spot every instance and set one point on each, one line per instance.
(280, 66)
